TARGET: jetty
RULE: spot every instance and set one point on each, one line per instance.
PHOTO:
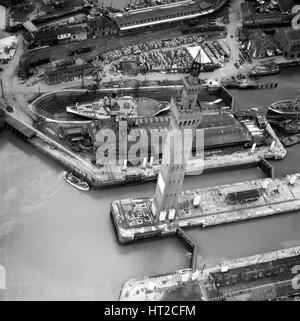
(134, 219)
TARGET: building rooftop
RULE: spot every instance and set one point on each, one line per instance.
(243, 196)
(157, 15)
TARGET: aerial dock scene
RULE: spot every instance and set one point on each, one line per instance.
(255, 278)
(92, 96)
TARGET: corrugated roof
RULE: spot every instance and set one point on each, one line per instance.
(161, 13)
(243, 196)
(226, 135)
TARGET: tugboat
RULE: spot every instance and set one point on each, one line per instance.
(285, 108)
(76, 182)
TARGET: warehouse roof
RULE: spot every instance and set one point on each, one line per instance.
(158, 15)
(225, 135)
(243, 196)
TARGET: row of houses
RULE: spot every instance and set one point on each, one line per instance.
(67, 72)
(55, 35)
(52, 35)
(282, 17)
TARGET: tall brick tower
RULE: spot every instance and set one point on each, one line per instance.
(186, 115)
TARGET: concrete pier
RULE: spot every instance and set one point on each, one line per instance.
(218, 205)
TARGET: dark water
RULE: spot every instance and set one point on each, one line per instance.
(58, 243)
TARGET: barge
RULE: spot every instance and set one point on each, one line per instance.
(265, 70)
(240, 84)
(134, 218)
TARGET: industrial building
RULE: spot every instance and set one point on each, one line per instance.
(172, 13)
(67, 72)
(243, 196)
(102, 26)
(260, 44)
(55, 35)
(289, 42)
(256, 14)
(3, 17)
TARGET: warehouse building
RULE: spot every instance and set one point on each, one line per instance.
(102, 26)
(289, 42)
(259, 17)
(55, 35)
(243, 196)
(172, 13)
(67, 72)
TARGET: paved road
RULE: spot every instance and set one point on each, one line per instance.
(8, 80)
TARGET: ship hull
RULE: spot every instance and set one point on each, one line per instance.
(87, 115)
(283, 109)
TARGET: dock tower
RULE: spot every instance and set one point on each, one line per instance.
(186, 114)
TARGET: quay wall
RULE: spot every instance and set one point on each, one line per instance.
(267, 168)
(128, 290)
(68, 163)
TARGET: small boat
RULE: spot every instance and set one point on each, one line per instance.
(76, 182)
(239, 84)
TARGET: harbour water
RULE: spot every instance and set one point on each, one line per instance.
(59, 243)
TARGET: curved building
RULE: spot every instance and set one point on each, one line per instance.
(164, 14)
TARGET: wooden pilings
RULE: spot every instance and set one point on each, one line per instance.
(190, 244)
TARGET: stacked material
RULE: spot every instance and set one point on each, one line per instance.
(111, 56)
